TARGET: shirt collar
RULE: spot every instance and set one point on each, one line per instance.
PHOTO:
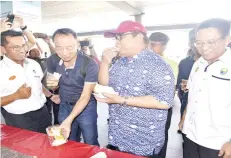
(11, 63)
(226, 57)
(135, 57)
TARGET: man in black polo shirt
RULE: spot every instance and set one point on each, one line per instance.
(79, 74)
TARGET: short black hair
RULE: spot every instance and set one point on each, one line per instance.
(159, 37)
(222, 25)
(9, 33)
(65, 31)
(192, 35)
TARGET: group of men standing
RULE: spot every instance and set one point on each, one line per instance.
(140, 114)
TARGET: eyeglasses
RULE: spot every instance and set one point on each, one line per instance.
(18, 48)
(211, 43)
(119, 37)
(71, 47)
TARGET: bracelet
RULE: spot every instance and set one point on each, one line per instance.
(24, 28)
(125, 101)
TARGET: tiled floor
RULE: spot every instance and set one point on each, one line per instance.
(175, 141)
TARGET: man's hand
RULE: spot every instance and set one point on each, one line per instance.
(110, 99)
(23, 92)
(55, 99)
(5, 25)
(66, 127)
(20, 20)
(225, 151)
(90, 42)
(184, 85)
(109, 54)
(47, 39)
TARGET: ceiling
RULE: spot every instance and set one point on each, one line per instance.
(91, 16)
(56, 10)
(53, 11)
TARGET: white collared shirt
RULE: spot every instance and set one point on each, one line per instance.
(13, 76)
(208, 117)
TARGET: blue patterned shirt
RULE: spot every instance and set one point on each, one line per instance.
(140, 130)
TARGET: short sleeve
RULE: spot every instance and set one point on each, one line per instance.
(92, 72)
(161, 83)
(52, 62)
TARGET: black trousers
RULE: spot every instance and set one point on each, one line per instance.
(117, 149)
(167, 126)
(193, 150)
(49, 105)
(36, 121)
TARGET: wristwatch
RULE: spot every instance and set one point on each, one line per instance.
(50, 96)
(23, 28)
(125, 101)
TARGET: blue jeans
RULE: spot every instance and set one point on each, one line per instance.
(86, 122)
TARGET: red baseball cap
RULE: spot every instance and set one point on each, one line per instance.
(126, 26)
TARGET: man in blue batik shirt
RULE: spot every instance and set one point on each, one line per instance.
(145, 83)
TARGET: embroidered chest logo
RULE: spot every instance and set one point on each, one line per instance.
(223, 71)
(12, 77)
(197, 69)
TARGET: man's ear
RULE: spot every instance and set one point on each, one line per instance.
(228, 40)
(164, 47)
(141, 36)
(3, 51)
(78, 45)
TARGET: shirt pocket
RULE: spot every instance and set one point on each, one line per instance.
(220, 89)
(220, 99)
(221, 78)
(35, 83)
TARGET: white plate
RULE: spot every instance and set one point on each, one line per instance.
(99, 95)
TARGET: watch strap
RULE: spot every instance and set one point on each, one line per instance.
(24, 28)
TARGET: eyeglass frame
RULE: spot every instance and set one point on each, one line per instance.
(210, 43)
(119, 36)
(17, 48)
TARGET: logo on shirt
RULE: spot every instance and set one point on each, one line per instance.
(197, 69)
(12, 77)
(223, 71)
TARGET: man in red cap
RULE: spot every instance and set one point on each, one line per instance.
(145, 84)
